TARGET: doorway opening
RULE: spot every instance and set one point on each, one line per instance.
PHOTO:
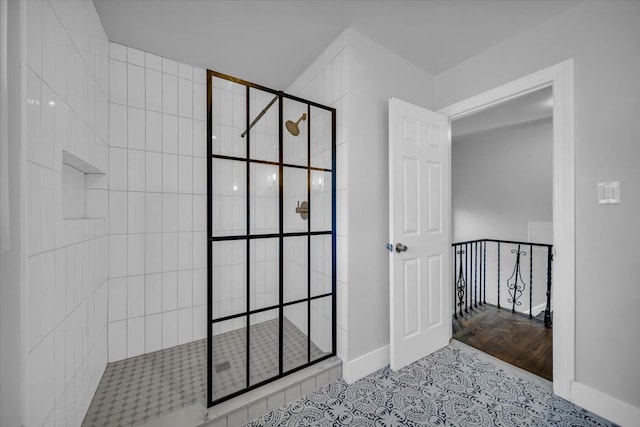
(502, 230)
(405, 312)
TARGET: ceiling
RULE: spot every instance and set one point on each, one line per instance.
(527, 108)
(272, 42)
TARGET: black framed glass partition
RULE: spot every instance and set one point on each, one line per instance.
(271, 174)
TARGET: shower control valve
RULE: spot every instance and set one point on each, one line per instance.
(303, 209)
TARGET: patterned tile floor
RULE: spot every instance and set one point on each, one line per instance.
(454, 386)
(137, 390)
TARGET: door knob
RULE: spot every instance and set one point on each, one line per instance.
(400, 247)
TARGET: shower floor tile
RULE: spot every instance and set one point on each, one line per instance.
(137, 390)
(229, 351)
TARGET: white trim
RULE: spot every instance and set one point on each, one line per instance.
(5, 227)
(560, 77)
(604, 405)
(362, 366)
(539, 308)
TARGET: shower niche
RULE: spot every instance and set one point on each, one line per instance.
(271, 235)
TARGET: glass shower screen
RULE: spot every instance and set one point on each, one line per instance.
(271, 235)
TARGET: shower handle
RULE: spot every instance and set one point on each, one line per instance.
(401, 248)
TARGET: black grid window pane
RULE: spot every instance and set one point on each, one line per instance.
(229, 262)
(295, 119)
(321, 327)
(295, 201)
(321, 265)
(228, 118)
(264, 107)
(264, 273)
(295, 336)
(295, 268)
(264, 342)
(228, 360)
(264, 206)
(321, 201)
(229, 197)
(321, 137)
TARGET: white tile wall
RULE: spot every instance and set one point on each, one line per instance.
(324, 81)
(158, 264)
(67, 290)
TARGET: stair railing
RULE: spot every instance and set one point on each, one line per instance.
(470, 275)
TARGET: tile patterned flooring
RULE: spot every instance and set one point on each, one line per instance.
(140, 389)
(454, 386)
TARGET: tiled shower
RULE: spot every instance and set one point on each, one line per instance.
(157, 203)
(117, 215)
(158, 222)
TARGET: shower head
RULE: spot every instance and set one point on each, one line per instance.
(292, 127)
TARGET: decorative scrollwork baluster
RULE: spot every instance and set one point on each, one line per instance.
(515, 283)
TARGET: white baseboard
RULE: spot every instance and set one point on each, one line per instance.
(537, 309)
(604, 405)
(362, 366)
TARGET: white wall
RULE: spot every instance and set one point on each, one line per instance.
(157, 203)
(374, 75)
(501, 180)
(607, 98)
(66, 285)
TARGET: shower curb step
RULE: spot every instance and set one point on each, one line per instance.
(255, 403)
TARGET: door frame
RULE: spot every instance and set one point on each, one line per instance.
(560, 78)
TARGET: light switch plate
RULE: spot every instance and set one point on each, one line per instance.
(609, 192)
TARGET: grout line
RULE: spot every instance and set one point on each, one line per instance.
(67, 316)
(74, 44)
(126, 324)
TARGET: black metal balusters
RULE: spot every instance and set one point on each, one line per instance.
(470, 276)
(475, 273)
(484, 271)
(466, 269)
(547, 310)
(455, 272)
(530, 281)
(498, 274)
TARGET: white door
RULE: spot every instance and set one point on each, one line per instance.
(419, 218)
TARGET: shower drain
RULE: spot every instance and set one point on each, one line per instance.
(222, 366)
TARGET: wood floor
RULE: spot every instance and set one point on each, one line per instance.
(514, 338)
